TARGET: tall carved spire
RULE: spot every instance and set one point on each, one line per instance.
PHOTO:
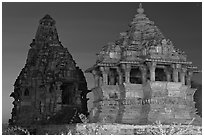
(47, 32)
(49, 81)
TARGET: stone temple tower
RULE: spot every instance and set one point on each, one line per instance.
(142, 78)
(50, 85)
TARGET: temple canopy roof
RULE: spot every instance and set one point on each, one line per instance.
(141, 29)
(142, 41)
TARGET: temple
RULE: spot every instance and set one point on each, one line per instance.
(142, 78)
(50, 87)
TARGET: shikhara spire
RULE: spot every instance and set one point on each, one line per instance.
(49, 82)
(47, 31)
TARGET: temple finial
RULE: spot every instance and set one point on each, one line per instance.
(140, 6)
(47, 19)
(140, 10)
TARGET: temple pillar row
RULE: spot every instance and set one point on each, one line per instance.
(174, 73)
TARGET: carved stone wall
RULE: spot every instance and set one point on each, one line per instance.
(163, 75)
(167, 102)
(119, 104)
(50, 80)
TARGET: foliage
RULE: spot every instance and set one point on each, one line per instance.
(86, 128)
(174, 129)
(101, 129)
(198, 96)
(118, 129)
(15, 130)
(155, 129)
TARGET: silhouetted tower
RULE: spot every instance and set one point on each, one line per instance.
(50, 81)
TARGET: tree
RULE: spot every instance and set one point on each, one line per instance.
(197, 96)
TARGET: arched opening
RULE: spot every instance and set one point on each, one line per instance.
(113, 77)
(135, 76)
(26, 92)
(67, 93)
(160, 74)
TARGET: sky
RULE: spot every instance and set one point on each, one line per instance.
(84, 28)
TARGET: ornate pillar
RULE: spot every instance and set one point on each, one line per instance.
(96, 78)
(105, 71)
(143, 70)
(100, 81)
(127, 69)
(175, 75)
(152, 67)
(175, 72)
(168, 74)
(188, 78)
(182, 75)
(120, 76)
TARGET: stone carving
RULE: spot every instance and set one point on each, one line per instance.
(151, 79)
(50, 80)
(110, 53)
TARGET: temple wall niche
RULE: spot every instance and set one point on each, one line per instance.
(142, 104)
(113, 77)
(160, 74)
(135, 76)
